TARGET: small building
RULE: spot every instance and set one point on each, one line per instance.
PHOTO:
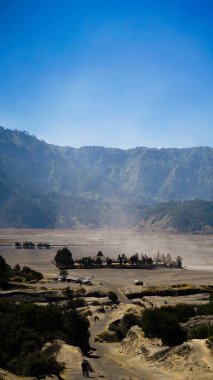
(100, 259)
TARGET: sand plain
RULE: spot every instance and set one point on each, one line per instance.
(196, 251)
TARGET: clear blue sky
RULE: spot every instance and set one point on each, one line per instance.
(119, 73)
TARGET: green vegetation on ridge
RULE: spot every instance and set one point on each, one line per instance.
(183, 216)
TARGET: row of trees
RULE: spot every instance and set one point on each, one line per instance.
(167, 260)
(30, 245)
(64, 259)
(143, 260)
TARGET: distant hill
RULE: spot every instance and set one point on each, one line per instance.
(44, 185)
(182, 216)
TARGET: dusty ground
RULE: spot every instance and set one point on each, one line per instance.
(196, 251)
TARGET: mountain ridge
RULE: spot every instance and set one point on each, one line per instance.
(68, 186)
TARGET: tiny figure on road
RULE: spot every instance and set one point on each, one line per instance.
(86, 367)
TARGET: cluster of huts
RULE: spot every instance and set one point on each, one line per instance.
(76, 280)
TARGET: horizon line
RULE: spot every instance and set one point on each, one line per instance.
(102, 146)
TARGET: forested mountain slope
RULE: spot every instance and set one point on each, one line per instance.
(180, 216)
(43, 185)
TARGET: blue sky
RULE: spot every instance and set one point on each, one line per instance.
(118, 73)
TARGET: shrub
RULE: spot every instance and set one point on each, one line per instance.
(182, 311)
(122, 326)
(77, 302)
(80, 292)
(69, 293)
(4, 284)
(160, 323)
(30, 274)
(200, 332)
(211, 297)
(36, 364)
(205, 309)
(113, 297)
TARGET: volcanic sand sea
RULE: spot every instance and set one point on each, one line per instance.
(196, 251)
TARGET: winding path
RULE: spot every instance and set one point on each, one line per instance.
(104, 366)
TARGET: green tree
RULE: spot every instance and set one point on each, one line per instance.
(63, 258)
(4, 268)
(98, 261)
(3, 265)
(108, 261)
(120, 259)
(17, 244)
(77, 329)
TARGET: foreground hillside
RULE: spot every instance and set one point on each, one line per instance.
(44, 185)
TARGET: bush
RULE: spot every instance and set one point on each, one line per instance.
(161, 323)
(36, 364)
(113, 297)
(182, 311)
(205, 309)
(77, 302)
(30, 274)
(96, 294)
(4, 284)
(122, 326)
(69, 293)
(211, 297)
(200, 332)
(80, 292)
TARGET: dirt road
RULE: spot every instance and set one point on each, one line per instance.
(101, 358)
(103, 363)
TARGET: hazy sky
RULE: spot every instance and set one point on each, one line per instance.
(119, 73)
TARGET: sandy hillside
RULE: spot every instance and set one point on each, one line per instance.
(189, 361)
